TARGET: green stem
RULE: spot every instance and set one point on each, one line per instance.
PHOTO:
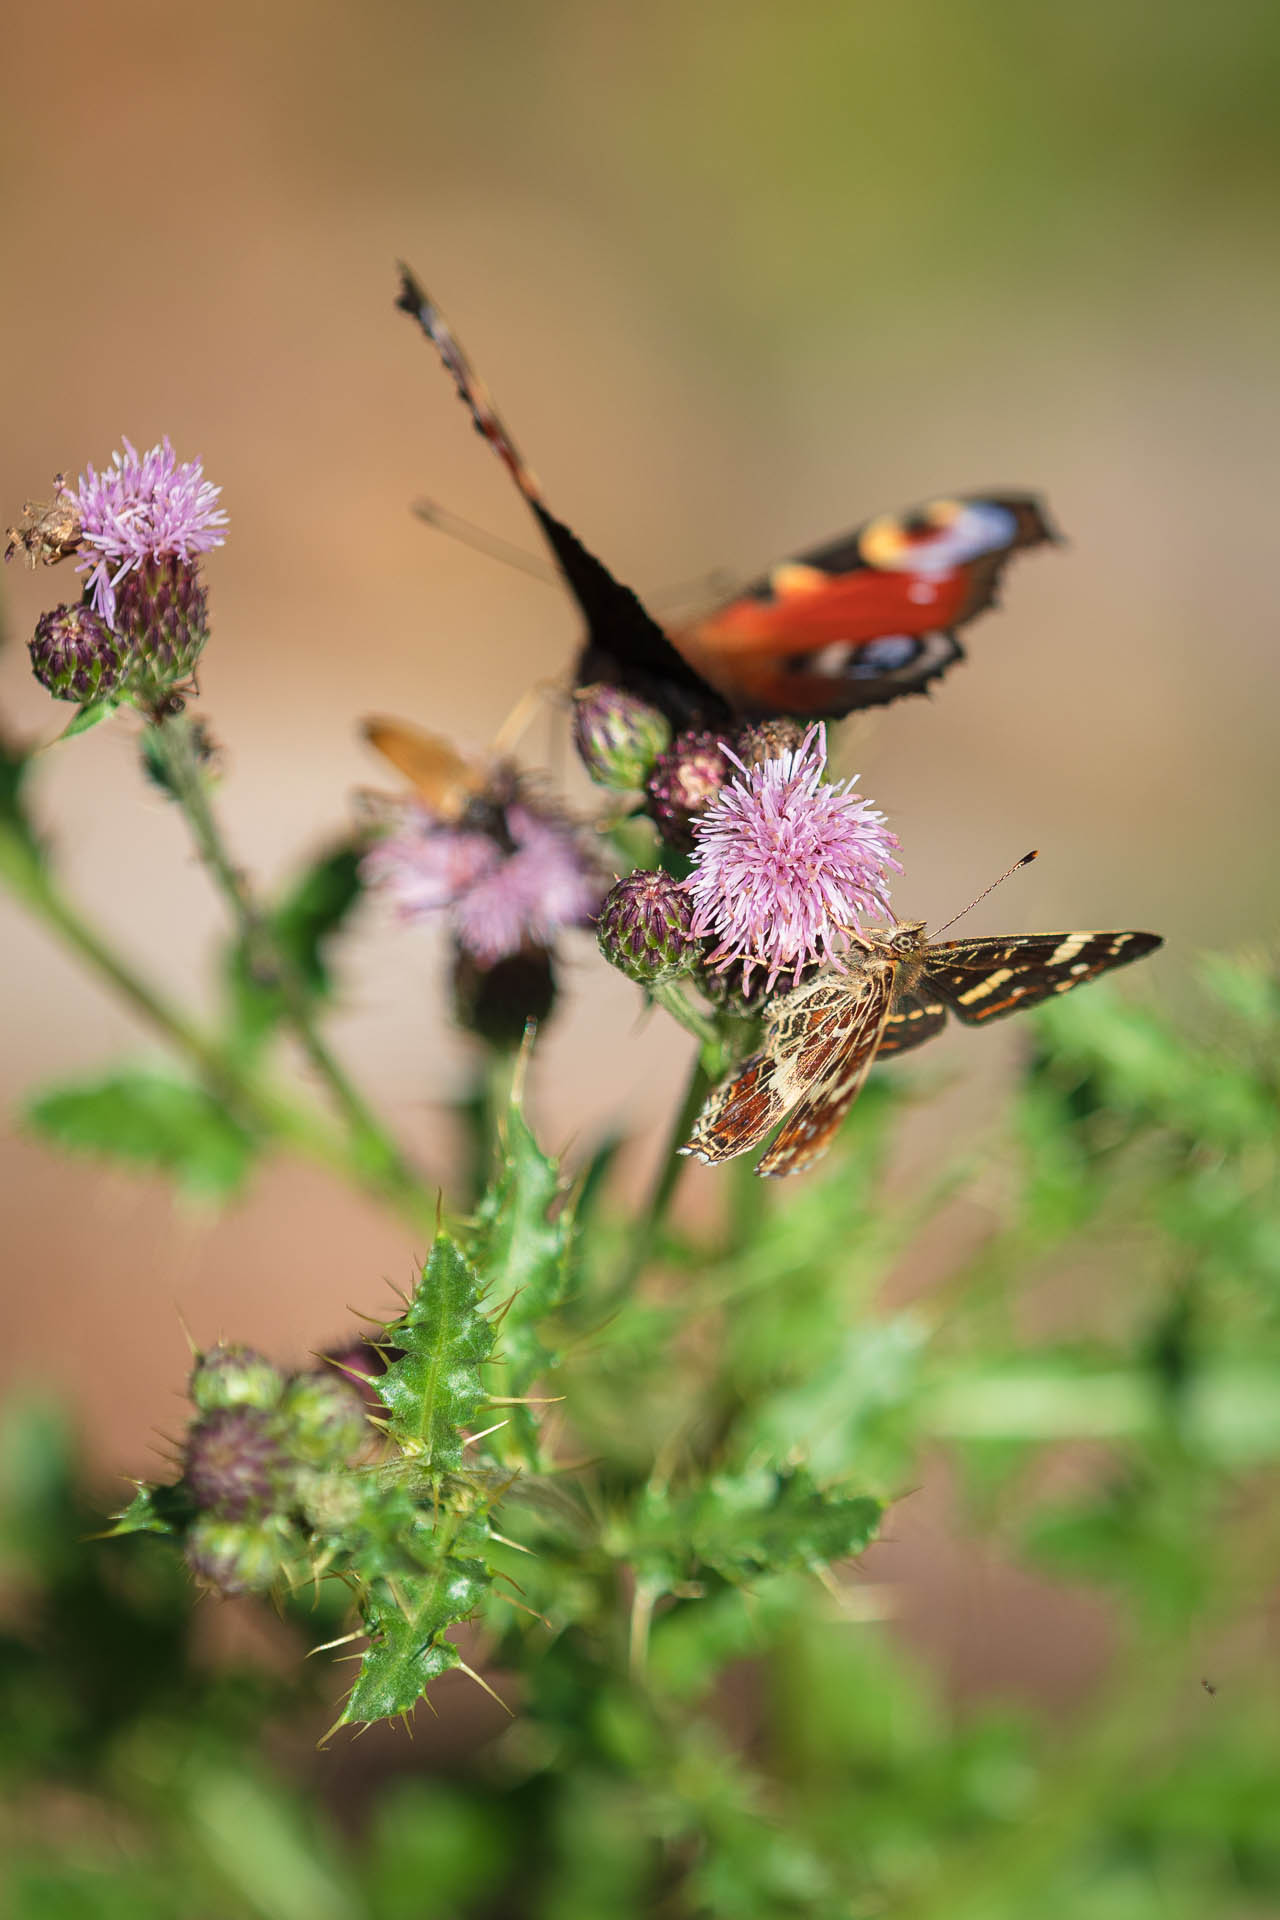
(667, 1178)
(172, 737)
(644, 1595)
(259, 1105)
(670, 995)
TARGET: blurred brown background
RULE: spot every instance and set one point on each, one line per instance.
(739, 276)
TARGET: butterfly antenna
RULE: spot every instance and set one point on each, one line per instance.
(620, 629)
(414, 299)
(480, 540)
(520, 718)
(1017, 866)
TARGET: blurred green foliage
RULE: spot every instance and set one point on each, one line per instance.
(701, 1727)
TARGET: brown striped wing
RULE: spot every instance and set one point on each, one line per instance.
(811, 1037)
(983, 980)
(813, 1126)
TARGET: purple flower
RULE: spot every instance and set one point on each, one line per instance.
(785, 862)
(142, 507)
(503, 897)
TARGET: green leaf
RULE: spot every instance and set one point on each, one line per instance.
(433, 1391)
(88, 716)
(148, 1120)
(153, 1510)
(760, 1521)
(14, 765)
(406, 1646)
(522, 1254)
(300, 926)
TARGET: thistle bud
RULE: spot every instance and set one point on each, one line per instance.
(229, 1375)
(235, 1461)
(683, 782)
(238, 1556)
(646, 928)
(618, 737)
(76, 656)
(496, 1002)
(323, 1419)
(162, 609)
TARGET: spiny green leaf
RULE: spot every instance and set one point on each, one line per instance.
(433, 1391)
(149, 1120)
(406, 1623)
(153, 1510)
(520, 1252)
(746, 1524)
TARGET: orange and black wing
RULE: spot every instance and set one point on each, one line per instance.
(983, 980)
(915, 1018)
(866, 618)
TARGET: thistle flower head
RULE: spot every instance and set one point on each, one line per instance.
(504, 893)
(140, 509)
(785, 862)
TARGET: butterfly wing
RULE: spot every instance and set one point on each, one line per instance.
(624, 644)
(983, 980)
(915, 1018)
(867, 618)
(808, 1032)
(443, 778)
(812, 1127)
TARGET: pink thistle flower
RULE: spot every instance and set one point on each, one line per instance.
(143, 507)
(785, 863)
(503, 897)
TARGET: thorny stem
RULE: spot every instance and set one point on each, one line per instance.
(374, 1148)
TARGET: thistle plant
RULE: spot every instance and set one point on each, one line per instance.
(595, 1457)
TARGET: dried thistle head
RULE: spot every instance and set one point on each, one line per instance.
(48, 531)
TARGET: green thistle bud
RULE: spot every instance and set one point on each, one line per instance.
(323, 1419)
(236, 1462)
(238, 1556)
(618, 737)
(229, 1375)
(332, 1502)
(683, 783)
(646, 928)
(76, 656)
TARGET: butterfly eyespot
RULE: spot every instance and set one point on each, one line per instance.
(942, 535)
(889, 654)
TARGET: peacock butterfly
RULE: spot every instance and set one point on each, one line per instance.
(855, 623)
